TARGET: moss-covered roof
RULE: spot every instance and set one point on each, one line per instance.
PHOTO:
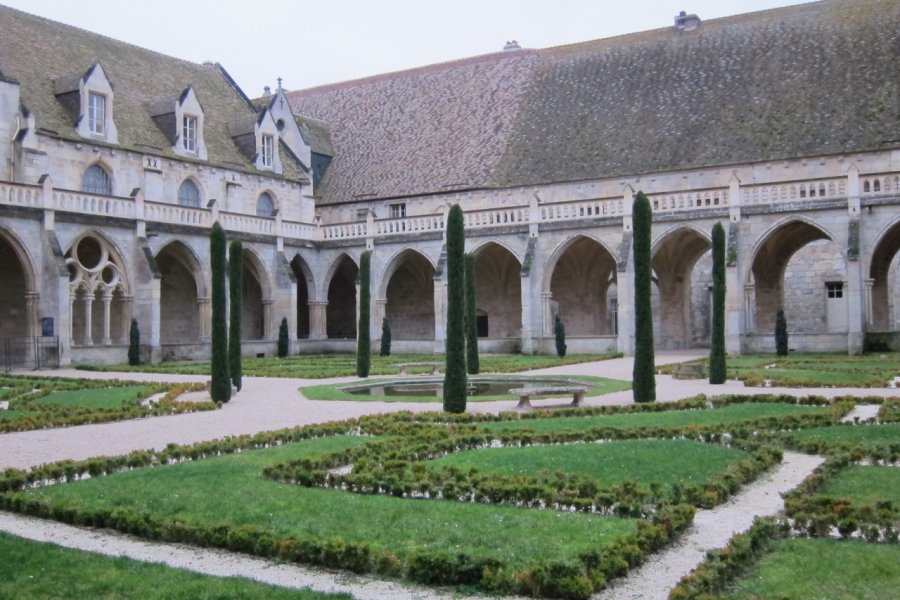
(806, 80)
(35, 51)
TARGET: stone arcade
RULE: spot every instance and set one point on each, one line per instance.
(784, 125)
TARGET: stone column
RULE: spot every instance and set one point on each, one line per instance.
(268, 312)
(205, 319)
(154, 341)
(855, 314)
(625, 277)
(547, 313)
(378, 314)
(526, 334)
(749, 309)
(71, 327)
(317, 322)
(127, 315)
(440, 315)
(870, 317)
(735, 321)
(32, 301)
(88, 325)
(107, 305)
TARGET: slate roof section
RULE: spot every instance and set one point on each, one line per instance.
(317, 134)
(436, 128)
(807, 80)
(36, 51)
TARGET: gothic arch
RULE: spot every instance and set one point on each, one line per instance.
(18, 296)
(183, 293)
(883, 275)
(99, 297)
(498, 291)
(488, 244)
(306, 291)
(682, 314)
(578, 277)
(801, 251)
(562, 248)
(340, 312)
(256, 297)
(110, 176)
(407, 288)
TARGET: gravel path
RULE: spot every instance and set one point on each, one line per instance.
(862, 413)
(712, 529)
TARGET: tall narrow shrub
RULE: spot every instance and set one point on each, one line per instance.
(455, 379)
(559, 330)
(220, 387)
(717, 341)
(781, 334)
(385, 338)
(134, 344)
(284, 340)
(236, 303)
(643, 376)
(472, 363)
(363, 336)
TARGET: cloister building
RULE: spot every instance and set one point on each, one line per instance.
(783, 125)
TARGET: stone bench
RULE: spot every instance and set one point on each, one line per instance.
(690, 371)
(526, 394)
(434, 366)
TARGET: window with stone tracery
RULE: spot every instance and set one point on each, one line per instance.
(98, 293)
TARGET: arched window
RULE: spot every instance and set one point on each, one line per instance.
(96, 181)
(876, 187)
(189, 194)
(265, 206)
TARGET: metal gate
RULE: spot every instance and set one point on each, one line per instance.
(31, 353)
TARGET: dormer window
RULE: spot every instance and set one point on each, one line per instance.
(88, 98)
(97, 113)
(268, 151)
(189, 133)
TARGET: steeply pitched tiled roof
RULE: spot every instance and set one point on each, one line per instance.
(812, 79)
(317, 134)
(35, 51)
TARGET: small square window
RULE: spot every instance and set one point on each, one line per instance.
(398, 211)
(97, 113)
(268, 151)
(835, 289)
(189, 133)
(362, 215)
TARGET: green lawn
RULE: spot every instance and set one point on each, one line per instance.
(732, 413)
(102, 398)
(598, 386)
(32, 570)
(643, 461)
(344, 365)
(813, 369)
(865, 435)
(865, 484)
(230, 490)
(823, 570)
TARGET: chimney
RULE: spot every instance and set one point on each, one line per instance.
(513, 45)
(267, 91)
(686, 22)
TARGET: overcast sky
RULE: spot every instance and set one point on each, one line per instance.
(314, 43)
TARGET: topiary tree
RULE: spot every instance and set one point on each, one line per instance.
(236, 302)
(363, 336)
(781, 334)
(134, 344)
(385, 338)
(220, 386)
(717, 341)
(455, 379)
(472, 362)
(643, 377)
(284, 340)
(559, 330)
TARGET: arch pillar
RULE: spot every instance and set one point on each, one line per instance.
(380, 305)
(868, 284)
(205, 316)
(440, 315)
(268, 317)
(88, 324)
(32, 302)
(855, 303)
(527, 337)
(317, 320)
(107, 306)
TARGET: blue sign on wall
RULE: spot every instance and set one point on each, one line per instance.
(47, 326)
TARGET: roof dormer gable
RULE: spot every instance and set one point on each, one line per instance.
(88, 97)
(181, 120)
(288, 130)
(256, 136)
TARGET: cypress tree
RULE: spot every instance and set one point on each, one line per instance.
(363, 336)
(472, 362)
(284, 341)
(643, 377)
(781, 334)
(455, 379)
(559, 329)
(220, 388)
(134, 344)
(717, 342)
(385, 338)
(236, 302)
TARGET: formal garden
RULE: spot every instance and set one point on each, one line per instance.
(544, 503)
(28, 402)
